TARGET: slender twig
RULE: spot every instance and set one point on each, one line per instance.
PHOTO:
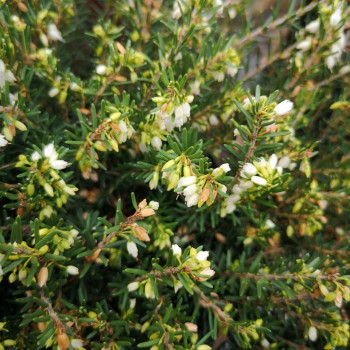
(167, 56)
(7, 165)
(293, 276)
(273, 25)
(251, 148)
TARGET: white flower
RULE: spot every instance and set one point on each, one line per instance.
(305, 45)
(269, 224)
(5, 75)
(13, 98)
(265, 343)
(53, 92)
(225, 167)
(192, 200)
(248, 168)
(76, 343)
(335, 17)
(259, 180)
(234, 198)
(330, 62)
(195, 87)
(152, 185)
(72, 270)
(53, 33)
(156, 142)
(284, 162)
(176, 249)
(230, 208)
(101, 69)
(273, 161)
(59, 164)
(313, 26)
(133, 286)
(223, 188)
(49, 151)
(202, 255)
(231, 71)
(284, 107)
(132, 303)
(246, 184)
(74, 86)
(154, 205)
(218, 76)
(213, 120)
(3, 141)
(207, 272)
(237, 189)
(190, 190)
(312, 333)
(187, 181)
(132, 249)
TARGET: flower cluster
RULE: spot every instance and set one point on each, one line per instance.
(331, 18)
(138, 231)
(107, 136)
(42, 168)
(152, 134)
(202, 189)
(174, 109)
(253, 176)
(195, 262)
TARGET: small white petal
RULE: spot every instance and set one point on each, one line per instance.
(156, 142)
(3, 141)
(154, 205)
(49, 150)
(213, 120)
(59, 164)
(187, 181)
(312, 333)
(273, 161)
(202, 255)
(192, 200)
(35, 156)
(259, 180)
(335, 17)
(76, 343)
(190, 190)
(72, 270)
(248, 168)
(284, 107)
(133, 286)
(313, 26)
(132, 249)
(53, 92)
(53, 33)
(176, 249)
(225, 167)
(101, 69)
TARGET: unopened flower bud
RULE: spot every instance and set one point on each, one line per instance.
(147, 212)
(42, 276)
(19, 125)
(141, 233)
(48, 189)
(142, 204)
(72, 270)
(63, 341)
(30, 189)
(133, 286)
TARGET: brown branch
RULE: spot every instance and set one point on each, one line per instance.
(273, 25)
